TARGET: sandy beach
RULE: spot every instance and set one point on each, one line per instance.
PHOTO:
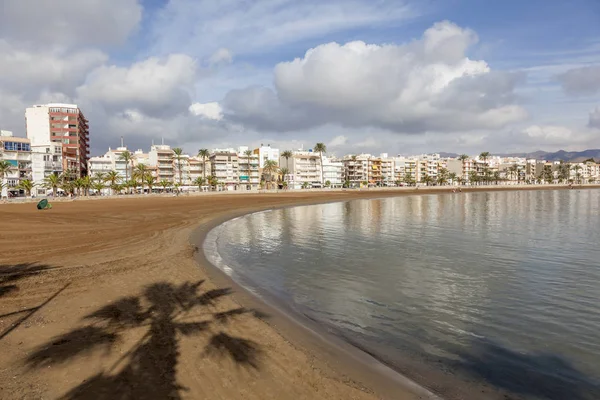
(106, 300)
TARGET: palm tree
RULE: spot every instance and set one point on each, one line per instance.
(496, 176)
(98, 186)
(141, 172)
(99, 176)
(270, 168)
(248, 154)
(128, 158)
(442, 178)
(452, 177)
(86, 184)
(204, 154)
(5, 168)
(26, 185)
(52, 182)
(474, 177)
(284, 173)
(199, 181)
(321, 149)
(427, 180)
(514, 169)
(287, 155)
(577, 168)
(213, 181)
(165, 184)
(484, 156)
(150, 181)
(178, 152)
(112, 178)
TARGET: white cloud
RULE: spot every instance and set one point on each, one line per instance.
(581, 81)
(67, 22)
(259, 26)
(337, 141)
(221, 56)
(428, 84)
(207, 110)
(548, 133)
(595, 118)
(153, 86)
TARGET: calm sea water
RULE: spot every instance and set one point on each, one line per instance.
(497, 292)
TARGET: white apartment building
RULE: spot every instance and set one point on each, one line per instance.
(405, 167)
(333, 172)
(266, 153)
(428, 165)
(225, 167)
(17, 152)
(249, 169)
(388, 167)
(305, 169)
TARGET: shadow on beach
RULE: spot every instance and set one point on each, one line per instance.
(148, 369)
(527, 375)
(10, 275)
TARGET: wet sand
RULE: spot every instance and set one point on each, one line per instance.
(105, 299)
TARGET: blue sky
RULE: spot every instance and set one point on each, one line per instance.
(367, 76)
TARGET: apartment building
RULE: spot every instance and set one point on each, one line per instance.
(428, 165)
(388, 174)
(225, 167)
(265, 153)
(63, 124)
(333, 172)
(198, 168)
(160, 157)
(249, 169)
(17, 152)
(305, 169)
(405, 167)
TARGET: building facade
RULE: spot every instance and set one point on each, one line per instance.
(305, 169)
(17, 152)
(56, 123)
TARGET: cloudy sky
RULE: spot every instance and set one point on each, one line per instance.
(359, 75)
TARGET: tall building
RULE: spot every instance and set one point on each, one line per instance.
(55, 124)
(225, 167)
(161, 157)
(266, 153)
(17, 152)
(305, 169)
(249, 169)
(333, 172)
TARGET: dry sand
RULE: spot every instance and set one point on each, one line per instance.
(104, 300)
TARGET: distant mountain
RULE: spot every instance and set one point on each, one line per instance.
(572, 156)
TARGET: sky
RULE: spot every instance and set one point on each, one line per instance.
(402, 76)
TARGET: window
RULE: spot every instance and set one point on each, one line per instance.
(46, 158)
(17, 146)
(57, 150)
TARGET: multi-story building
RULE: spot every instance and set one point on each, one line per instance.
(388, 166)
(225, 167)
(266, 153)
(160, 157)
(428, 165)
(17, 152)
(333, 172)
(63, 124)
(305, 169)
(249, 169)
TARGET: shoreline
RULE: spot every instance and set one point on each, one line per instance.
(59, 266)
(400, 190)
(351, 364)
(371, 371)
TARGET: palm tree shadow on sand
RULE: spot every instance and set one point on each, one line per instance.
(527, 375)
(148, 369)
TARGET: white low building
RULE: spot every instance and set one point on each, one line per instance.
(17, 152)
